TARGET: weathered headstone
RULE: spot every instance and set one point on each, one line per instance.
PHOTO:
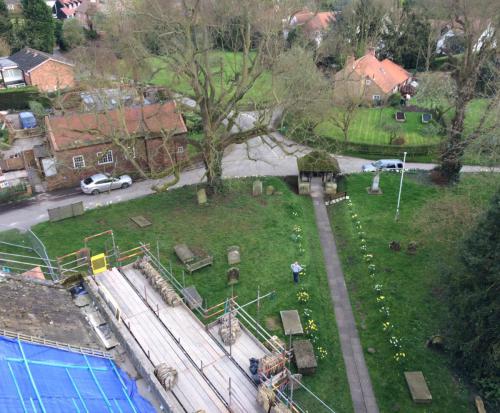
(412, 247)
(202, 196)
(233, 275)
(418, 387)
(331, 188)
(257, 188)
(269, 190)
(375, 187)
(395, 245)
(233, 255)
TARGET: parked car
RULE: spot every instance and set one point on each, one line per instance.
(98, 183)
(383, 165)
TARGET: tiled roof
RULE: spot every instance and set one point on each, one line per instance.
(386, 74)
(28, 59)
(314, 21)
(83, 129)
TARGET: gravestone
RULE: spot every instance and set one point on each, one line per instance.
(233, 275)
(305, 360)
(291, 322)
(418, 387)
(202, 196)
(140, 221)
(233, 255)
(193, 298)
(257, 188)
(331, 188)
(269, 190)
(374, 189)
(395, 245)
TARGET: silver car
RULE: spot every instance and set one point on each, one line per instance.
(98, 183)
(383, 165)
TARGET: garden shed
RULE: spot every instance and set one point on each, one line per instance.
(316, 164)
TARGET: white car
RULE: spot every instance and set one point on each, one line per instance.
(98, 183)
(383, 165)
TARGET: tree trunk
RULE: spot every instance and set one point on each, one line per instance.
(212, 157)
(451, 156)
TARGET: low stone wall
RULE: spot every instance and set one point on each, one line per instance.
(141, 363)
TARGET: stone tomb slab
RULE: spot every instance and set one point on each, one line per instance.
(291, 322)
(141, 221)
(305, 360)
(193, 297)
(418, 387)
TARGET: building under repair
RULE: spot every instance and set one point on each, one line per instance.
(191, 358)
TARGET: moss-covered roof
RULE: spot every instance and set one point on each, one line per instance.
(318, 161)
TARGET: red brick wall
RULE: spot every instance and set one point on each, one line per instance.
(67, 176)
(51, 76)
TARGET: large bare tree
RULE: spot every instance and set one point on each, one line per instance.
(221, 53)
(478, 22)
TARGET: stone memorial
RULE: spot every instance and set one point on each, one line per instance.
(202, 196)
(374, 189)
(257, 188)
(233, 275)
(270, 190)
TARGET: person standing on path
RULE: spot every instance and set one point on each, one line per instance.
(296, 268)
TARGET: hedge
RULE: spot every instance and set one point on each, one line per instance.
(19, 98)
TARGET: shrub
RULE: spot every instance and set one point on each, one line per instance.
(394, 100)
(19, 98)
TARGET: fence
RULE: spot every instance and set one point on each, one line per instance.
(12, 164)
(66, 211)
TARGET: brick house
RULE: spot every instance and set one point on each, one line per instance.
(313, 24)
(43, 70)
(83, 144)
(369, 79)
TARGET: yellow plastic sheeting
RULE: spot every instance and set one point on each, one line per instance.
(98, 263)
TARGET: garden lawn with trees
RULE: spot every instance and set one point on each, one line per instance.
(398, 297)
(376, 126)
(272, 232)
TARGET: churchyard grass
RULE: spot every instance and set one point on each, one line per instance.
(263, 227)
(409, 286)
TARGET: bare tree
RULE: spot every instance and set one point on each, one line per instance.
(221, 53)
(478, 21)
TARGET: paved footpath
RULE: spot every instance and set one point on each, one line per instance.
(363, 398)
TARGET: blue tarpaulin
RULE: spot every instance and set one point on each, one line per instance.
(36, 378)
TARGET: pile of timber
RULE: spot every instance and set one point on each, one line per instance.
(272, 364)
(166, 375)
(269, 402)
(159, 283)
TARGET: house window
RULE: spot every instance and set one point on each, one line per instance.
(78, 162)
(376, 98)
(105, 157)
(368, 82)
(180, 149)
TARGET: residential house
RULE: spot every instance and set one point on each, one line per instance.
(369, 79)
(65, 9)
(46, 71)
(313, 24)
(83, 144)
(10, 74)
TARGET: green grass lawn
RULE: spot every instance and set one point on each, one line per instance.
(262, 227)
(371, 125)
(230, 62)
(410, 286)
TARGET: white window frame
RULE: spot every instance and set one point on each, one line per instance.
(105, 158)
(368, 82)
(78, 162)
(376, 98)
(180, 149)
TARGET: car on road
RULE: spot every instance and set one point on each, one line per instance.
(383, 165)
(98, 183)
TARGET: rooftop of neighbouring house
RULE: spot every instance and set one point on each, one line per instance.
(6, 63)
(386, 74)
(83, 129)
(314, 21)
(27, 59)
